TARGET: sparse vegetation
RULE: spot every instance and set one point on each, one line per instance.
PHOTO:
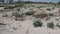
(51, 25)
(37, 24)
(24, 17)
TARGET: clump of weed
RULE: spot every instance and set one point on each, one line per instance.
(15, 13)
(37, 23)
(51, 14)
(51, 25)
(9, 7)
(18, 15)
(38, 7)
(48, 18)
(58, 11)
(41, 15)
(49, 9)
(2, 24)
(19, 5)
(5, 15)
(53, 8)
(29, 13)
(58, 25)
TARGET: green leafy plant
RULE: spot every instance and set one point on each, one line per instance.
(51, 25)
(37, 24)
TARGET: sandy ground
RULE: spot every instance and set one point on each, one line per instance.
(26, 26)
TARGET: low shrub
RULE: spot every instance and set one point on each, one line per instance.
(37, 24)
(15, 13)
(51, 14)
(57, 25)
(19, 5)
(53, 8)
(1, 5)
(57, 19)
(41, 15)
(51, 25)
(9, 7)
(2, 24)
(49, 9)
(29, 13)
